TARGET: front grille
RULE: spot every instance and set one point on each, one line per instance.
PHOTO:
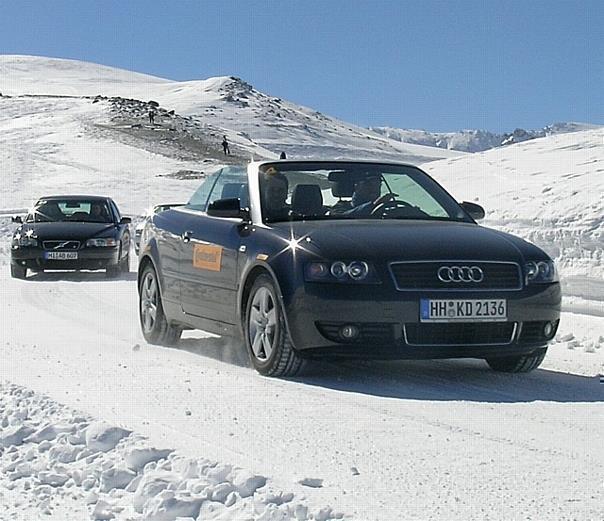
(369, 332)
(61, 245)
(465, 333)
(424, 276)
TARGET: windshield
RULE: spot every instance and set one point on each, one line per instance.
(322, 190)
(72, 210)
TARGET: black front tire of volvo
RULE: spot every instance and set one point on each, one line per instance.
(124, 265)
(266, 337)
(518, 364)
(154, 324)
(18, 272)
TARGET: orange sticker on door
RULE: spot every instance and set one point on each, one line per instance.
(207, 257)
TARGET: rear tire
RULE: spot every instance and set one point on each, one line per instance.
(517, 364)
(154, 324)
(18, 272)
(266, 337)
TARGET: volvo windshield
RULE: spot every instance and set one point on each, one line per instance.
(73, 210)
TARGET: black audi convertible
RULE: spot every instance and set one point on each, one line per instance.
(304, 259)
(71, 232)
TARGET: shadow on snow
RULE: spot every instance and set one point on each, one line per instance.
(79, 276)
(434, 380)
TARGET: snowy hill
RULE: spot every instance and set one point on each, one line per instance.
(258, 123)
(477, 140)
(50, 145)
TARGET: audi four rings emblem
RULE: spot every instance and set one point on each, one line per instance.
(460, 274)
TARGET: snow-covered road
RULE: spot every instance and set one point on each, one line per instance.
(402, 440)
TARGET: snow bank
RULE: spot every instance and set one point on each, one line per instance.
(548, 191)
(51, 454)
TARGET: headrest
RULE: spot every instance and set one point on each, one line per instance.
(343, 188)
(342, 183)
(307, 200)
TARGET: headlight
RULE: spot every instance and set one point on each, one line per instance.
(338, 271)
(24, 241)
(540, 272)
(101, 243)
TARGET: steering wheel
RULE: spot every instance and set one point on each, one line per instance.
(389, 207)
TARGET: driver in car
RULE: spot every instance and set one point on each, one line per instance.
(366, 196)
(98, 213)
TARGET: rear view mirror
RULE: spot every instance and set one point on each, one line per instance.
(475, 211)
(125, 220)
(226, 208)
(17, 219)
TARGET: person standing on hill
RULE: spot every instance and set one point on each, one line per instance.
(152, 117)
(225, 146)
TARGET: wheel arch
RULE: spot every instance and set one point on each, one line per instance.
(149, 256)
(248, 279)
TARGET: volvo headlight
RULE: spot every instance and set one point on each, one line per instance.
(101, 243)
(25, 240)
(540, 272)
(339, 271)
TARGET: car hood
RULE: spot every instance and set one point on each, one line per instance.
(67, 230)
(407, 240)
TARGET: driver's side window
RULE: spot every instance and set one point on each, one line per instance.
(232, 184)
(199, 199)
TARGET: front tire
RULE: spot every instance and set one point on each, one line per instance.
(266, 337)
(154, 324)
(517, 364)
(124, 265)
(112, 272)
(18, 272)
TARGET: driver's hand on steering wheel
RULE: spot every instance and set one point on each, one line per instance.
(390, 196)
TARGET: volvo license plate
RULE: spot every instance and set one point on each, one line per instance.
(61, 255)
(466, 310)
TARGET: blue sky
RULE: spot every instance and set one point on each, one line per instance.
(436, 65)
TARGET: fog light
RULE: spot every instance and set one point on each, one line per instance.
(349, 332)
(548, 330)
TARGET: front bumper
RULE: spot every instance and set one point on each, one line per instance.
(389, 321)
(88, 259)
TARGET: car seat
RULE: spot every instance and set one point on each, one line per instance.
(342, 186)
(307, 200)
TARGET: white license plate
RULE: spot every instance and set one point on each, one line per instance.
(456, 310)
(61, 255)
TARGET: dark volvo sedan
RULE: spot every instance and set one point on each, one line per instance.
(344, 259)
(71, 232)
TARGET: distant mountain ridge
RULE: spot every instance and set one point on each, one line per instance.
(477, 140)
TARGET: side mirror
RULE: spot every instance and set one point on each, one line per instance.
(227, 208)
(126, 220)
(17, 219)
(475, 211)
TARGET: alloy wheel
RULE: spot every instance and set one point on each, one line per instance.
(148, 306)
(262, 324)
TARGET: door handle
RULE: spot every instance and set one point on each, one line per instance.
(186, 236)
